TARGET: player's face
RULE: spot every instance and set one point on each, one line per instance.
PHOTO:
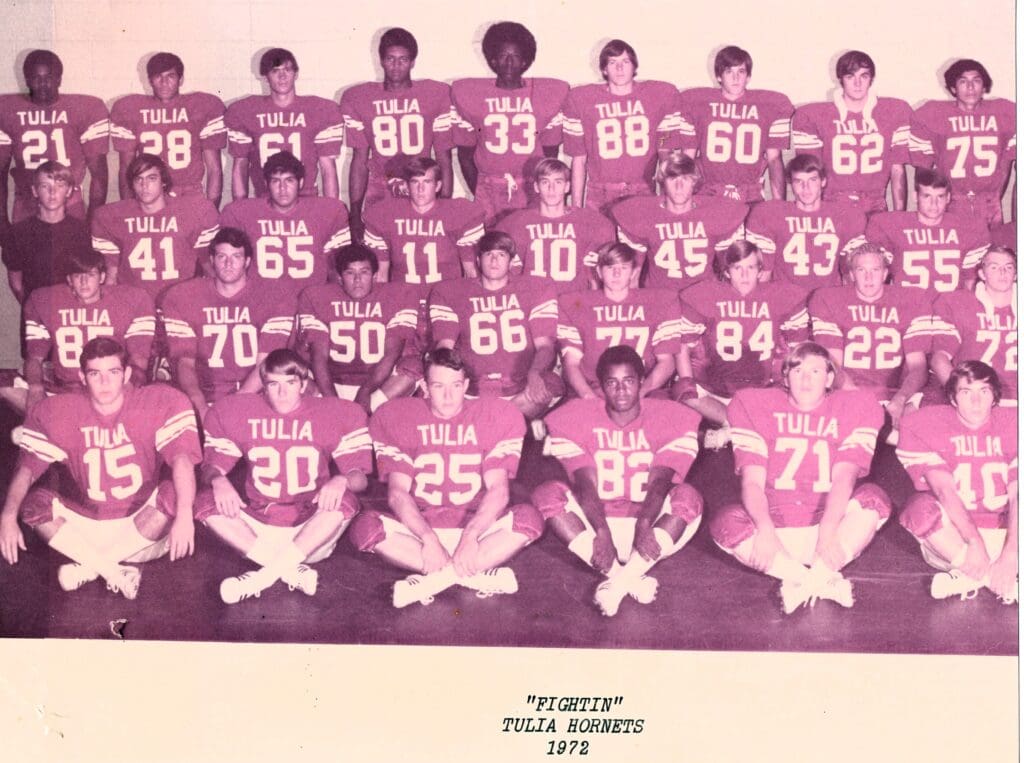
(148, 186)
(809, 381)
(932, 202)
(105, 379)
(998, 271)
(43, 84)
(616, 276)
(495, 264)
(552, 189)
(734, 81)
(447, 391)
(974, 401)
(284, 190)
(679, 189)
(397, 63)
(423, 189)
(619, 70)
(509, 63)
(284, 391)
(807, 187)
(869, 272)
(52, 194)
(166, 85)
(857, 84)
(229, 263)
(282, 78)
(86, 286)
(621, 389)
(969, 89)
(357, 279)
(743, 274)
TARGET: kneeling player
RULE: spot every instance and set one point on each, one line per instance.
(295, 510)
(447, 461)
(113, 437)
(963, 459)
(627, 456)
(799, 451)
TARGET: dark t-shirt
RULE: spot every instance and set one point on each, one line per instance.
(35, 248)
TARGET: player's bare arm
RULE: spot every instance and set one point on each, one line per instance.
(381, 371)
(585, 488)
(98, 182)
(753, 479)
(659, 483)
(1003, 572)
(228, 501)
(11, 538)
(329, 176)
(492, 504)
(898, 187)
(468, 166)
(941, 482)
(239, 178)
(214, 175)
(358, 178)
(578, 180)
(401, 502)
(915, 377)
(182, 534)
(828, 549)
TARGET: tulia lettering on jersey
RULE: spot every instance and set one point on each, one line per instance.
(550, 230)
(975, 445)
(806, 424)
(874, 314)
(854, 127)
(628, 109)
(677, 230)
(104, 437)
(447, 434)
(235, 314)
(357, 310)
(281, 119)
(616, 439)
(279, 429)
(810, 225)
(42, 118)
(163, 116)
(997, 322)
(396, 106)
(931, 236)
(283, 227)
(152, 224)
(84, 316)
(427, 228)
(494, 303)
(973, 123)
(508, 104)
(619, 313)
(735, 110)
(735, 309)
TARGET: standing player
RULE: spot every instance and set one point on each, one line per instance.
(45, 125)
(589, 322)
(626, 458)
(388, 122)
(554, 241)
(860, 138)
(738, 132)
(678, 233)
(113, 437)
(259, 126)
(932, 248)
(616, 131)
(803, 240)
(962, 458)
(972, 140)
(447, 461)
(800, 451)
(504, 126)
(294, 510)
(185, 130)
(292, 234)
(220, 329)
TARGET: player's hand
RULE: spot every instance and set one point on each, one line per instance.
(182, 537)
(328, 498)
(362, 399)
(11, 539)
(645, 543)
(895, 409)
(536, 390)
(465, 556)
(766, 546)
(434, 555)
(1002, 575)
(228, 501)
(604, 552)
(976, 564)
(830, 552)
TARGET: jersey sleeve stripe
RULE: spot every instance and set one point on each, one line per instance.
(442, 313)
(512, 446)
(918, 145)
(911, 458)
(308, 322)
(40, 446)
(36, 331)
(119, 132)
(804, 141)
(826, 328)
(330, 134)
(572, 127)
(625, 239)
(178, 329)
(340, 238)
(356, 441)
(281, 324)
(391, 452)
(351, 123)
(687, 445)
(563, 448)
(105, 247)
(142, 326)
(901, 135)
(214, 127)
(206, 236)
(222, 445)
(750, 441)
(762, 242)
(239, 137)
(546, 309)
(568, 333)
(799, 320)
(404, 318)
(779, 128)
(174, 428)
(96, 131)
(471, 236)
(973, 257)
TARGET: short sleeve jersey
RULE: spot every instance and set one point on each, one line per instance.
(799, 449)
(507, 127)
(679, 249)
(858, 149)
(57, 326)
(1004, 234)
(310, 128)
(932, 257)
(225, 335)
(804, 248)
(581, 436)
(495, 330)
(621, 134)
(447, 458)
(114, 459)
(737, 337)
(177, 131)
(154, 251)
(561, 250)
(354, 332)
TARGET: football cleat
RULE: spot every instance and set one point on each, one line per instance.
(489, 583)
(409, 590)
(644, 589)
(126, 582)
(795, 594)
(246, 586)
(955, 583)
(73, 576)
(302, 577)
(1012, 597)
(609, 595)
(837, 589)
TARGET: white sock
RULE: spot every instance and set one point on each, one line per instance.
(785, 567)
(583, 545)
(288, 557)
(77, 547)
(438, 581)
(637, 565)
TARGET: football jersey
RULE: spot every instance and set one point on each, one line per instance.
(561, 250)
(581, 436)
(288, 454)
(873, 337)
(225, 335)
(408, 122)
(495, 330)
(969, 327)
(799, 449)
(739, 337)
(973, 149)
(983, 461)
(354, 332)
(72, 130)
(804, 248)
(424, 248)
(858, 149)
(291, 249)
(447, 458)
(1004, 234)
(57, 326)
(678, 249)
(932, 257)
(114, 459)
(158, 250)
(620, 134)
(589, 323)
(507, 127)
(310, 128)
(733, 136)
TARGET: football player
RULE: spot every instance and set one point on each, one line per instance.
(503, 127)
(388, 122)
(962, 458)
(554, 241)
(737, 132)
(504, 326)
(932, 248)
(220, 329)
(357, 329)
(616, 131)
(293, 235)
(46, 125)
(626, 458)
(800, 451)
(259, 126)
(860, 138)
(678, 233)
(185, 130)
(971, 139)
(294, 510)
(447, 461)
(803, 240)
(114, 438)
